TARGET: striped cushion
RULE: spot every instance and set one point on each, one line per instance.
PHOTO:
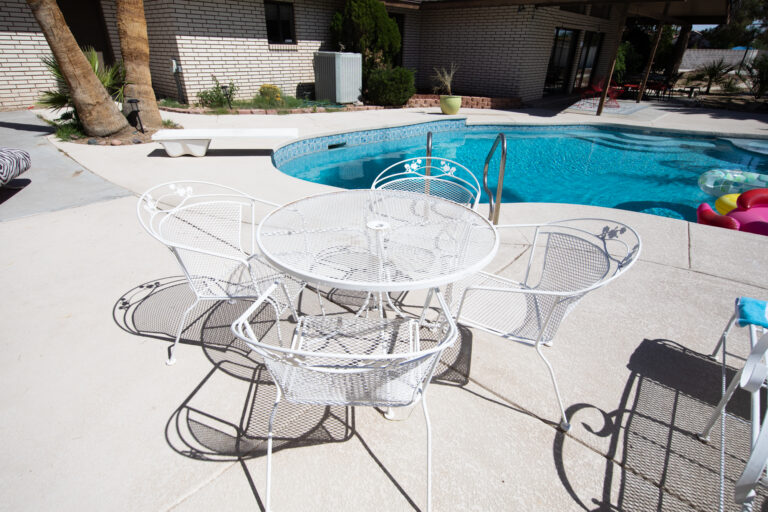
(12, 163)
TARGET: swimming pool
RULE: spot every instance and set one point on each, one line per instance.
(626, 168)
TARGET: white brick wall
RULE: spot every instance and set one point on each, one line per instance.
(228, 39)
(23, 76)
(501, 51)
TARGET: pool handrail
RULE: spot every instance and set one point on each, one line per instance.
(494, 207)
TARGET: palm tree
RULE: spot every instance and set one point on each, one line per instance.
(111, 77)
(134, 45)
(715, 71)
(95, 108)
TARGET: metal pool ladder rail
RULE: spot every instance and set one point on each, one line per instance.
(495, 206)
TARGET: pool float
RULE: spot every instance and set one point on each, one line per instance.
(750, 214)
(728, 181)
(726, 203)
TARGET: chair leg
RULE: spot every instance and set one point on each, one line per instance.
(429, 452)
(565, 426)
(171, 359)
(267, 500)
(717, 413)
(724, 335)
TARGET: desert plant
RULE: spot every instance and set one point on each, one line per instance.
(168, 123)
(215, 96)
(714, 72)
(755, 76)
(111, 77)
(271, 93)
(391, 86)
(364, 26)
(730, 85)
(444, 79)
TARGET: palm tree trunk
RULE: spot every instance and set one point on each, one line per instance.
(94, 106)
(134, 45)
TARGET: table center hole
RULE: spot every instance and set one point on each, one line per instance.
(378, 225)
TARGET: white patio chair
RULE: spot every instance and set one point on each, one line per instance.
(753, 314)
(210, 229)
(431, 175)
(351, 361)
(567, 260)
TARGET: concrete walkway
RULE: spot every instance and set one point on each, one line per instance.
(93, 419)
(56, 181)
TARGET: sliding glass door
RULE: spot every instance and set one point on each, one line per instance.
(560, 61)
(590, 49)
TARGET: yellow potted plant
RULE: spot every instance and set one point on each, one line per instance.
(449, 103)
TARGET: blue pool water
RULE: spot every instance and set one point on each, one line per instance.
(629, 169)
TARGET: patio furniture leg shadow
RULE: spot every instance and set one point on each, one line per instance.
(654, 455)
(196, 430)
(152, 310)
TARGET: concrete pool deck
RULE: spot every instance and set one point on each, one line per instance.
(93, 419)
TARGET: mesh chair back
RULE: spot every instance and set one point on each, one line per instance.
(580, 255)
(434, 176)
(352, 361)
(210, 230)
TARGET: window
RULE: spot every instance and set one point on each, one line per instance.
(279, 17)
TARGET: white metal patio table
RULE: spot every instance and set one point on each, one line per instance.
(377, 240)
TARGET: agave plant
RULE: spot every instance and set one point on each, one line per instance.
(715, 71)
(111, 77)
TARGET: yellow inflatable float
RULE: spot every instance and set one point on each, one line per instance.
(726, 203)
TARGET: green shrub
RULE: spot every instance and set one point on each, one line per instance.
(390, 86)
(215, 97)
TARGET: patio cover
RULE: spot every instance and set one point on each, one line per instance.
(680, 12)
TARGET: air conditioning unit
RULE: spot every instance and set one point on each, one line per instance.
(338, 76)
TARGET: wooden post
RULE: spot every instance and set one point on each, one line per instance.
(622, 21)
(652, 56)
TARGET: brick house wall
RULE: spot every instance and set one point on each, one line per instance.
(502, 51)
(23, 76)
(228, 39)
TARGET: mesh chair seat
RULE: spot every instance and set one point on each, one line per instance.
(567, 259)
(348, 360)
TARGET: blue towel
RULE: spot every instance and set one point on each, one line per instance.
(752, 311)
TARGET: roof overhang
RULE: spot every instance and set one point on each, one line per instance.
(680, 12)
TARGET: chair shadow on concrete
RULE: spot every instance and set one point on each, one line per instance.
(206, 428)
(654, 456)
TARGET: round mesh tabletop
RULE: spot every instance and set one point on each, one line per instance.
(377, 240)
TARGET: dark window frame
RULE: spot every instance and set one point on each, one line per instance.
(282, 28)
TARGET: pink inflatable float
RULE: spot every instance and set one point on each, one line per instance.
(750, 214)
